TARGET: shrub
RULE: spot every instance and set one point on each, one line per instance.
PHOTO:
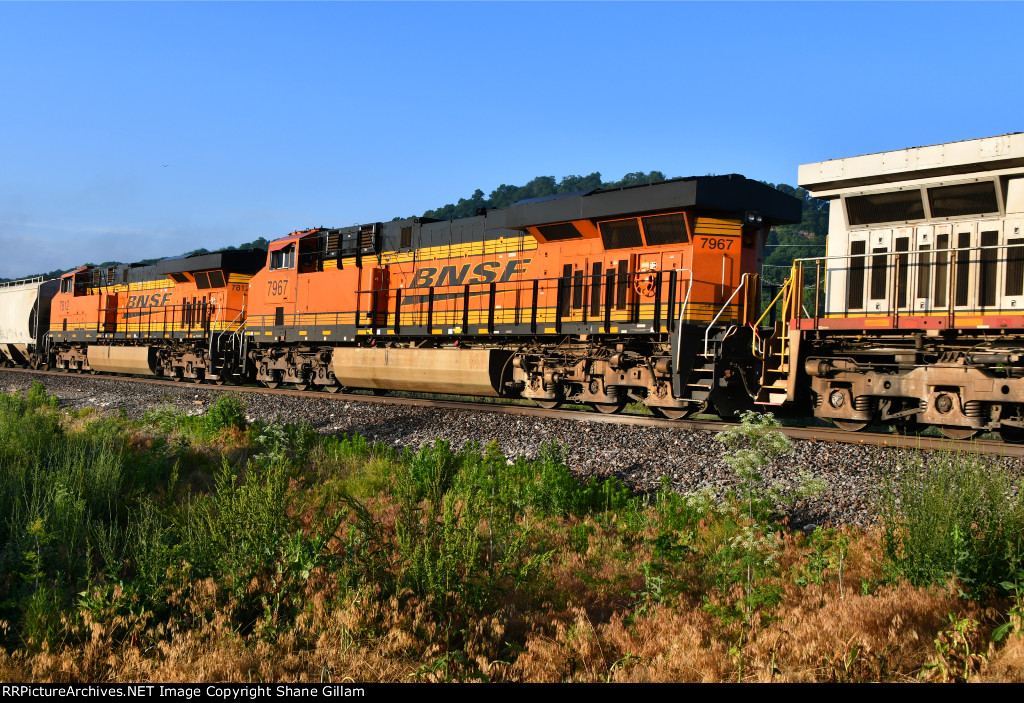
(950, 515)
(227, 412)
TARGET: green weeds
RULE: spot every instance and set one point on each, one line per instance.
(953, 516)
(463, 563)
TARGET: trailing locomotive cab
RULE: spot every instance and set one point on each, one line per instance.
(640, 293)
(916, 315)
(179, 318)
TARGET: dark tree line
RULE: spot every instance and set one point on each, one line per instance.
(799, 241)
(541, 186)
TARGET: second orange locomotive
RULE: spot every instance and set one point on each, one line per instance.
(642, 293)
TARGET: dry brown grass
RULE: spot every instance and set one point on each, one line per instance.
(644, 592)
(814, 635)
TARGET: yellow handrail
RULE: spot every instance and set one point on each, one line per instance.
(782, 292)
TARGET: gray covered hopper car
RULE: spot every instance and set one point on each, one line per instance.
(25, 319)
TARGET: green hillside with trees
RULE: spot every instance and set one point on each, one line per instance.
(539, 187)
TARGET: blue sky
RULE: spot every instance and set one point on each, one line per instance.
(133, 130)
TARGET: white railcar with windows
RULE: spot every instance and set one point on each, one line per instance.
(915, 316)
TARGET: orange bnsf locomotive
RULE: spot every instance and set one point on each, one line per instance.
(645, 293)
(178, 318)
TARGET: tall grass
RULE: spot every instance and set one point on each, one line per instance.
(953, 516)
(192, 547)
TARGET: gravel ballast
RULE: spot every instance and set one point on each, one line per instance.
(640, 456)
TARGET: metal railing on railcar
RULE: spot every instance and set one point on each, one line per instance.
(929, 289)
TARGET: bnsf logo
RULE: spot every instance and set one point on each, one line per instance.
(485, 272)
(148, 301)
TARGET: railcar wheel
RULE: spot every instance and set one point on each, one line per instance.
(331, 389)
(850, 425)
(548, 404)
(958, 432)
(609, 408)
(303, 386)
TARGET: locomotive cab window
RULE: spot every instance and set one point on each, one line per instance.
(283, 258)
(178, 277)
(311, 255)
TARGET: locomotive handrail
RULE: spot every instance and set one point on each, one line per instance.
(897, 299)
(868, 255)
(682, 312)
(707, 332)
(505, 286)
(234, 333)
(783, 291)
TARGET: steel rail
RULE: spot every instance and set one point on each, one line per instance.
(806, 434)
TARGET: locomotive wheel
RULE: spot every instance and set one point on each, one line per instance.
(272, 384)
(331, 389)
(850, 425)
(548, 404)
(678, 413)
(673, 413)
(958, 432)
(609, 408)
(305, 386)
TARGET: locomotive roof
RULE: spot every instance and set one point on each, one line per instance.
(732, 193)
(240, 260)
(232, 260)
(823, 178)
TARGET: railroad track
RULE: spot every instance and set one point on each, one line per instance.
(806, 433)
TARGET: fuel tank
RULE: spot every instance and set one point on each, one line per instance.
(458, 371)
